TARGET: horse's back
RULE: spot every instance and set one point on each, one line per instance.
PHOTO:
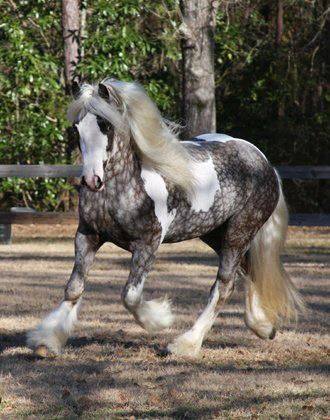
(235, 160)
(223, 142)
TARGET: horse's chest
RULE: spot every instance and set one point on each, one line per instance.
(121, 214)
(92, 209)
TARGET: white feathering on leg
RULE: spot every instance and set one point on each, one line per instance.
(190, 343)
(55, 329)
(187, 344)
(154, 315)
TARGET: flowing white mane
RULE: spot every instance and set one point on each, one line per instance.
(134, 115)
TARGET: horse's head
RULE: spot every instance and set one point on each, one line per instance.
(115, 112)
(95, 135)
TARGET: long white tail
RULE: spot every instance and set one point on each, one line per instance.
(271, 297)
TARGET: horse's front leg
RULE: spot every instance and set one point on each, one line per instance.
(153, 315)
(50, 336)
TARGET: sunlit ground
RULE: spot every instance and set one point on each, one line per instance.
(111, 367)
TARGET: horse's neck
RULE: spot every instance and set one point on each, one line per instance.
(123, 163)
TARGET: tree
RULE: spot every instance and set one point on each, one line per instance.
(198, 86)
(71, 26)
(135, 40)
(279, 25)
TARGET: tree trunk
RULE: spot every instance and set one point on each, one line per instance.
(70, 24)
(83, 29)
(278, 40)
(279, 23)
(71, 33)
(198, 86)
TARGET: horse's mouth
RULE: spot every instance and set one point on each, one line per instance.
(93, 183)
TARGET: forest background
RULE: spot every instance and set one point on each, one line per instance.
(271, 81)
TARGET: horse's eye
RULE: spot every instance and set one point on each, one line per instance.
(103, 124)
(73, 136)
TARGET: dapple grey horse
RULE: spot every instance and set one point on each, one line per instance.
(142, 187)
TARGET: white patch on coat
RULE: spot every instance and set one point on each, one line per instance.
(207, 184)
(195, 143)
(55, 329)
(223, 138)
(156, 189)
(93, 144)
(214, 137)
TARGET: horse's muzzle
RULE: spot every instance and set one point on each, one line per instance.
(94, 182)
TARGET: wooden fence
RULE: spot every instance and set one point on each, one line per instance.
(64, 171)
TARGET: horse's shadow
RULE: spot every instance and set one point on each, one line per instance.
(117, 339)
(7, 340)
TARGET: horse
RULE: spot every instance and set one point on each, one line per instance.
(141, 187)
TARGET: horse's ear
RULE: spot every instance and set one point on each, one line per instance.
(75, 89)
(104, 92)
(109, 93)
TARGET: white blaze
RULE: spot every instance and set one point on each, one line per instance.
(93, 145)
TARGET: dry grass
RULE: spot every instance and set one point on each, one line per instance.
(112, 368)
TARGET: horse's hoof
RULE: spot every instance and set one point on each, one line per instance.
(184, 346)
(161, 351)
(272, 334)
(43, 352)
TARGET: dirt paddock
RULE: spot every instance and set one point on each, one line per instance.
(111, 368)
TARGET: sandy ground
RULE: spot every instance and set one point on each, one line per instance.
(111, 368)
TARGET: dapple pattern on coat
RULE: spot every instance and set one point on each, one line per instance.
(126, 199)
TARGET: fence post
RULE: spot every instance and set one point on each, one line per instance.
(5, 229)
(5, 234)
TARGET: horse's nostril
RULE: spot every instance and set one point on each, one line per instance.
(93, 182)
(98, 182)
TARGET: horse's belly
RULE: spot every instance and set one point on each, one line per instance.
(193, 225)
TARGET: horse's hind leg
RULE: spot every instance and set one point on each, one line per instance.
(51, 334)
(231, 242)
(191, 341)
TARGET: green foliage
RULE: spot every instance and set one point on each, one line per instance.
(272, 95)
(127, 40)
(32, 112)
(133, 40)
